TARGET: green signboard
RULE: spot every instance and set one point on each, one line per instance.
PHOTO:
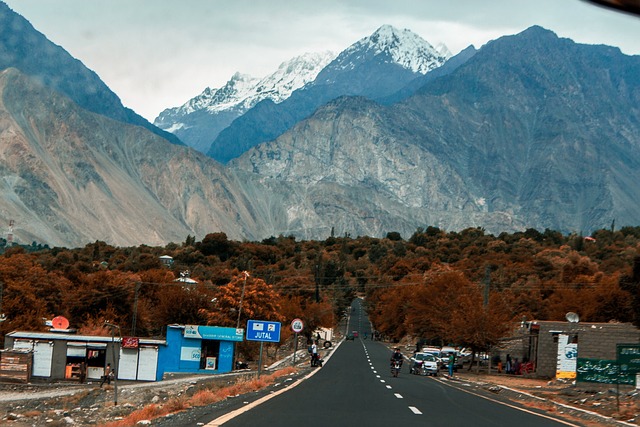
(629, 357)
(602, 371)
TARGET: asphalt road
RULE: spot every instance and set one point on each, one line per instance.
(355, 387)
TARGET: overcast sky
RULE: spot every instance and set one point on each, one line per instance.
(156, 54)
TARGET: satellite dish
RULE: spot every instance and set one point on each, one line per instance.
(572, 317)
(60, 322)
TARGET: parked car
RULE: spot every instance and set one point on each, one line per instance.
(424, 364)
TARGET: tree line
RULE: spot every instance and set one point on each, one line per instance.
(465, 288)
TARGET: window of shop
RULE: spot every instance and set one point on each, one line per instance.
(76, 363)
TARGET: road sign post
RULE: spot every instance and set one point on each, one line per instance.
(297, 325)
(263, 331)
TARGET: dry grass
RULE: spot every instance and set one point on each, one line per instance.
(32, 414)
(203, 397)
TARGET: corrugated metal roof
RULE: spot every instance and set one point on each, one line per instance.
(74, 337)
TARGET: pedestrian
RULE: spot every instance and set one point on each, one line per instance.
(509, 364)
(452, 361)
(83, 372)
(495, 361)
(108, 373)
(314, 353)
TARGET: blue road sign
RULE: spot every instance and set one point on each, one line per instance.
(261, 330)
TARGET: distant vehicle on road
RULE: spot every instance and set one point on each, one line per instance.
(424, 364)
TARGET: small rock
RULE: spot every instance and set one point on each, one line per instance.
(155, 399)
(69, 420)
(143, 423)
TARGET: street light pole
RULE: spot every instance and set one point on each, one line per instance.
(116, 367)
(246, 274)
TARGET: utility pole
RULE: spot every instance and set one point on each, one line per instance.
(2, 316)
(487, 283)
(244, 285)
(134, 318)
(116, 368)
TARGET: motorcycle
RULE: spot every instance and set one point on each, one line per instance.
(416, 369)
(395, 367)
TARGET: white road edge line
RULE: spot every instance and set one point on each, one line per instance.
(226, 417)
(558, 420)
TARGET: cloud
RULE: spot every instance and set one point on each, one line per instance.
(157, 54)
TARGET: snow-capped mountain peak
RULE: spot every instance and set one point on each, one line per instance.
(239, 87)
(404, 47)
(243, 91)
(292, 75)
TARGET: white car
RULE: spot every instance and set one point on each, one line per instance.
(424, 364)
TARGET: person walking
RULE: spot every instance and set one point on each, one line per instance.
(452, 362)
(108, 374)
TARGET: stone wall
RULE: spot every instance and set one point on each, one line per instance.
(595, 341)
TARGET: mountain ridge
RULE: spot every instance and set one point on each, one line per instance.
(522, 129)
(368, 68)
(530, 131)
(200, 119)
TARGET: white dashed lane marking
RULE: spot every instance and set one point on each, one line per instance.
(415, 410)
(398, 395)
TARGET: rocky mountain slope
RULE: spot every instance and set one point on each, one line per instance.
(532, 131)
(28, 50)
(70, 177)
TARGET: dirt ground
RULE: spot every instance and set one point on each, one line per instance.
(597, 405)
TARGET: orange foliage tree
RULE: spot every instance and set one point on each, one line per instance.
(453, 309)
(242, 299)
(30, 293)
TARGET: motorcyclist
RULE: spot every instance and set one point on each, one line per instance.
(396, 356)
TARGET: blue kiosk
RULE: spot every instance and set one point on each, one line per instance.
(198, 349)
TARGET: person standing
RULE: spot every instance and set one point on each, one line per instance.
(452, 362)
(83, 372)
(314, 353)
